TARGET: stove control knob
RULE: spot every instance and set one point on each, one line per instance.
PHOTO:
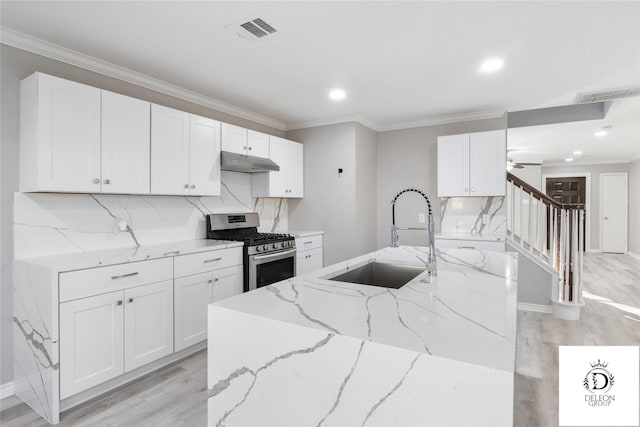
(258, 248)
(273, 246)
(264, 247)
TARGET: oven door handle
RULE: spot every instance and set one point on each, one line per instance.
(276, 255)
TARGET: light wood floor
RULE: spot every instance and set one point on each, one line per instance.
(176, 395)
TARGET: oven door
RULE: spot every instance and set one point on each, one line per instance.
(270, 268)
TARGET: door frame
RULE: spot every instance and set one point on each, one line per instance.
(626, 208)
(587, 204)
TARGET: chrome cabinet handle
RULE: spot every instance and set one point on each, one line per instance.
(96, 181)
(119, 302)
(250, 148)
(466, 247)
(171, 253)
(212, 260)
(606, 217)
(130, 299)
(186, 186)
(216, 279)
(309, 242)
(209, 281)
(107, 181)
(193, 186)
(122, 276)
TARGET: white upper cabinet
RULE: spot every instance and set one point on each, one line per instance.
(169, 151)
(257, 144)
(472, 164)
(204, 156)
(289, 180)
(236, 139)
(125, 144)
(59, 135)
(185, 153)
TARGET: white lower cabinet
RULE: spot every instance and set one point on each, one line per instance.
(194, 293)
(148, 324)
(309, 254)
(104, 336)
(91, 342)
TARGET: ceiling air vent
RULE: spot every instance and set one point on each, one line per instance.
(254, 28)
(607, 95)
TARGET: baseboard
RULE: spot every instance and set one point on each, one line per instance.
(634, 255)
(538, 308)
(6, 390)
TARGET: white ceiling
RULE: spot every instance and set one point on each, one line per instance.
(402, 64)
(552, 144)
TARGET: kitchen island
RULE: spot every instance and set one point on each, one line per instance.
(312, 351)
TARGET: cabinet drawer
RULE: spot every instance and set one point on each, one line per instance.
(481, 245)
(186, 265)
(309, 242)
(94, 281)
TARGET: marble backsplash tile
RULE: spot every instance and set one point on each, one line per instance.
(476, 216)
(51, 223)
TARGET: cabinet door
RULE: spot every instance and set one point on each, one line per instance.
(301, 263)
(314, 260)
(169, 151)
(126, 148)
(295, 177)
(148, 318)
(204, 156)
(234, 138)
(192, 294)
(227, 282)
(68, 135)
(279, 151)
(257, 144)
(91, 342)
(453, 165)
(487, 168)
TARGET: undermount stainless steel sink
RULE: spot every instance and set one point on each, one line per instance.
(382, 274)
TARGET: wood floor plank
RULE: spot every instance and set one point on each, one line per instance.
(176, 395)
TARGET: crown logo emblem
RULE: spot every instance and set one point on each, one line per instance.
(599, 364)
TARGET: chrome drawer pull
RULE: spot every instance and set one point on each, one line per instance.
(119, 302)
(466, 247)
(212, 260)
(122, 276)
(309, 242)
(172, 253)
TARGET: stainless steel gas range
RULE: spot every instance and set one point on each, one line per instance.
(268, 257)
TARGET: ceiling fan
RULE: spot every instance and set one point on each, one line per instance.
(519, 165)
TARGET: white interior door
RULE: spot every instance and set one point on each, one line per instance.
(613, 212)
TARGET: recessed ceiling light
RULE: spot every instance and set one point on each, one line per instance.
(337, 94)
(601, 133)
(492, 64)
(577, 153)
(569, 159)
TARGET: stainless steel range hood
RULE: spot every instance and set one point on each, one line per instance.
(242, 163)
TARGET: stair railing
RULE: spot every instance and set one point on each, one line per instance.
(552, 233)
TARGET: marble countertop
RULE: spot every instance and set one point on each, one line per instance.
(304, 233)
(91, 259)
(469, 236)
(466, 313)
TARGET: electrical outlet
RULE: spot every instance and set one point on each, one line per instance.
(421, 218)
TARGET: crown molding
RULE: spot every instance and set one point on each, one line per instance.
(334, 121)
(429, 121)
(444, 119)
(41, 47)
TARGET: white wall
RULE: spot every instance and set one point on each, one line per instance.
(593, 211)
(408, 158)
(532, 175)
(330, 199)
(15, 65)
(366, 188)
(634, 207)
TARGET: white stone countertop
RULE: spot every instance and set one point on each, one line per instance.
(466, 313)
(304, 233)
(468, 236)
(92, 259)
